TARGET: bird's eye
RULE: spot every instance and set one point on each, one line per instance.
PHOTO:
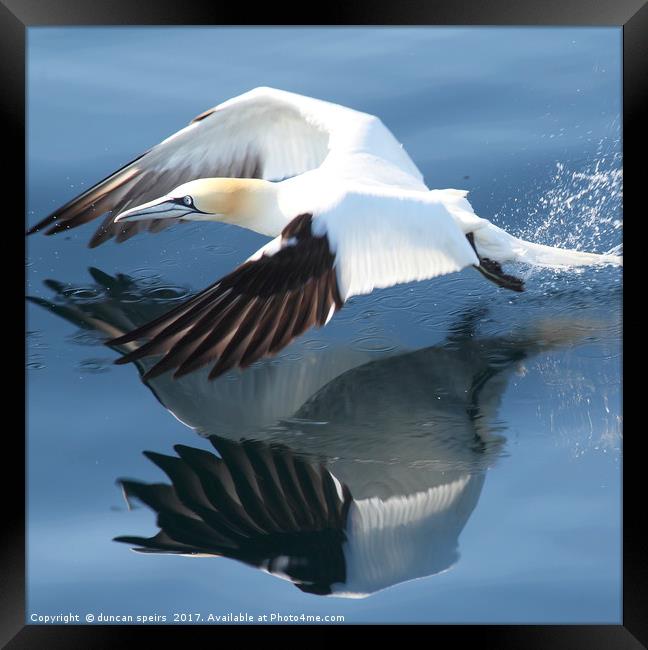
(187, 200)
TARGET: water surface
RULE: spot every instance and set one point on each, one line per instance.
(497, 413)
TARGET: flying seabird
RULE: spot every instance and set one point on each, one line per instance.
(348, 209)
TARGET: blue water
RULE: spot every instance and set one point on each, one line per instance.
(513, 399)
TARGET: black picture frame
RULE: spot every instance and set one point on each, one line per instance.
(18, 15)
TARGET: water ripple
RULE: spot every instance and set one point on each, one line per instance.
(95, 366)
(166, 293)
(373, 344)
(220, 249)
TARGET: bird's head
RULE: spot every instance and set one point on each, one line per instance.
(240, 201)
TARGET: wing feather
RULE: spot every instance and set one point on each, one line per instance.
(253, 312)
(265, 133)
(259, 504)
(242, 138)
(299, 280)
(384, 239)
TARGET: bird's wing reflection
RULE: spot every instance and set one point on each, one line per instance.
(259, 504)
(275, 510)
(388, 426)
(363, 471)
(275, 389)
(406, 537)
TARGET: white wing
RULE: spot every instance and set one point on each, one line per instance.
(289, 133)
(406, 537)
(381, 240)
(265, 133)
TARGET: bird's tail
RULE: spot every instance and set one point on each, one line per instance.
(494, 243)
(551, 256)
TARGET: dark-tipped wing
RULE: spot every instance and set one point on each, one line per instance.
(289, 286)
(138, 182)
(259, 504)
(245, 137)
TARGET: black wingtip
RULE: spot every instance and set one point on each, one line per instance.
(124, 338)
(163, 461)
(251, 313)
(100, 277)
(155, 371)
(125, 539)
(129, 357)
(38, 301)
(41, 225)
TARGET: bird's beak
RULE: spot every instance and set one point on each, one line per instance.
(162, 208)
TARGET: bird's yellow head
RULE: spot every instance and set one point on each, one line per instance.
(247, 202)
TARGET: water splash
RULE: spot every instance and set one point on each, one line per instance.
(580, 206)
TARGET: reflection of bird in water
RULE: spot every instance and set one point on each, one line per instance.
(279, 511)
(279, 390)
(272, 390)
(362, 480)
(375, 495)
(348, 209)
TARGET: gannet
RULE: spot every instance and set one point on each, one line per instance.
(359, 482)
(282, 512)
(348, 210)
(377, 495)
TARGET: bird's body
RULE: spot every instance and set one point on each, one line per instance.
(346, 206)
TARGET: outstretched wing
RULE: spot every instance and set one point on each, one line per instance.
(264, 133)
(299, 280)
(255, 311)
(259, 504)
(261, 134)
